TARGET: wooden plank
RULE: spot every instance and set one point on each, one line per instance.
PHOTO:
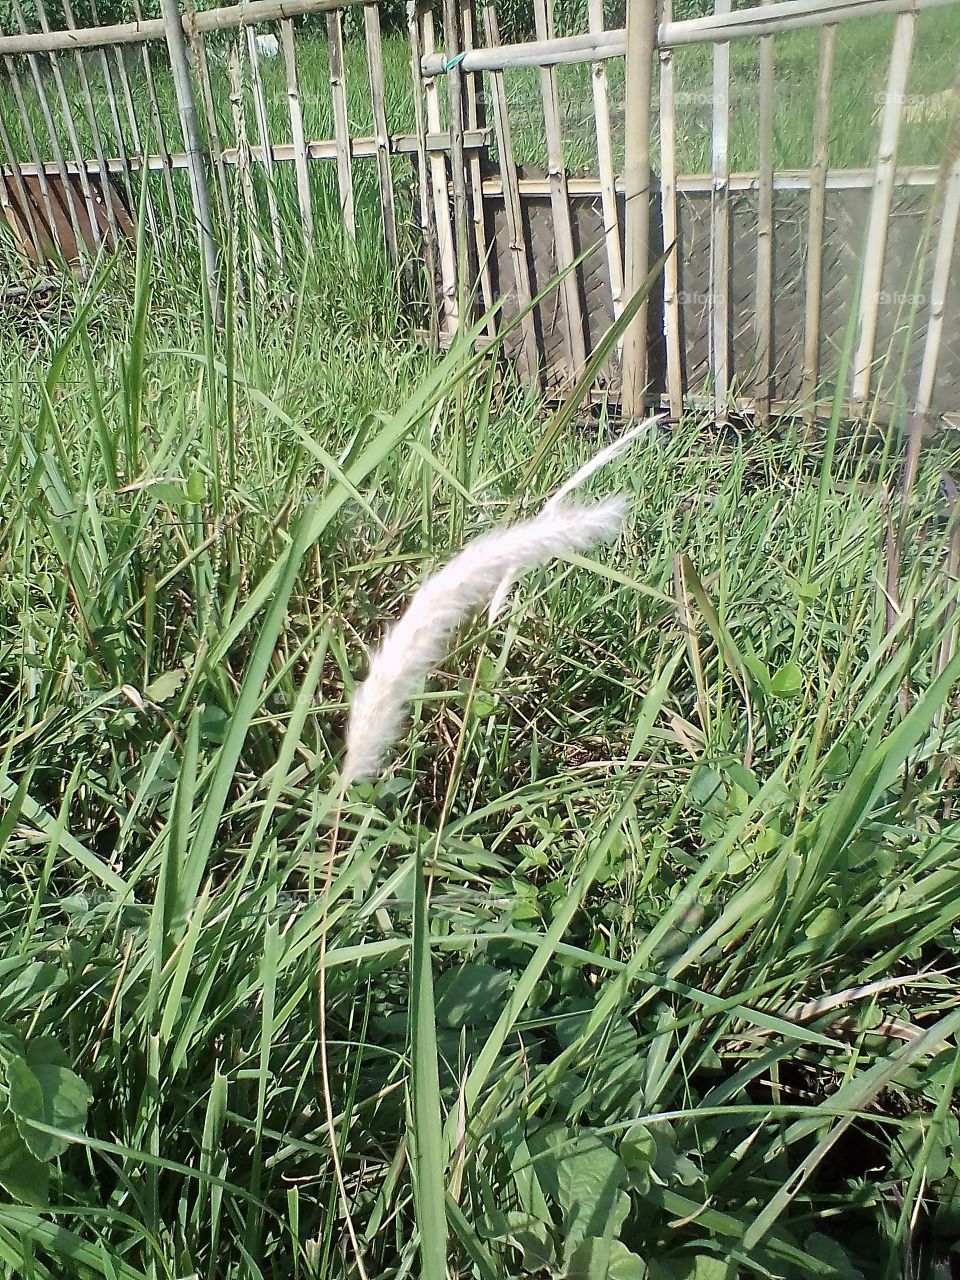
(381, 128)
(193, 142)
(513, 209)
(341, 125)
(670, 219)
(720, 336)
(438, 181)
(573, 317)
(815, 224)
(763, 306)
(606, 171)
(266, 150)
(879, 218)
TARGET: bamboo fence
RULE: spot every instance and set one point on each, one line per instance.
(749, 311)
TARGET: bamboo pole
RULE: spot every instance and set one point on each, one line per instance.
(201, 67)
(144, 30)
(266, 150)
(669, 214)
(193, 144)
(235, 74)
(455, 114)
(156, 124)
(763, 306)
(381, 129)
(304, 199)
(341, 125)
(560, 201)
(771, 19)
(428, 223)
(641, 15)
(608, 182)
(134, 132)
(720, 229)
(473, 107)
(942, 267)
(112, 106)
(39, 167)
(512, 204)
(818, 199)
(438, 179)
(26, 218)
(90, 112)
(70, 203)
(70, 124)
(879, 219)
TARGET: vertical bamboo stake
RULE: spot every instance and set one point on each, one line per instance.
(480, 255)
(455, 114)
(201, 67)
(243, 163)
(946, 248)
(818, 193)
(428, 222)
(763, 306)
(90, 112)
(341, 125)
(113, 107)
(193, 144)
(879, 220)
(560, 198)
(438, 178)
(720, 227)
(45, 193)
(156, 123)
(53, 133)
(263, 131)
(608, 181)
(26, 216)
(641, 16)
(296, 127)
(134, 132)
(513, 208)
(381, 129)
(71, 128)
(671, 225)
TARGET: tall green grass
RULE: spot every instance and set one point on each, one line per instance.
(687, 814)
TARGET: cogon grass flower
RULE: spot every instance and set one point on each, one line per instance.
(418, 641)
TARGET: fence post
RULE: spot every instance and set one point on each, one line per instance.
(193, 144)
(641, 40)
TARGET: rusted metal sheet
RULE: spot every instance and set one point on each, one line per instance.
(43, 239)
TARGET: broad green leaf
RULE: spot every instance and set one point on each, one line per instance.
(787, 682)
(471, 994)
(45, 1093)
(22, 1175)
(599, 1259)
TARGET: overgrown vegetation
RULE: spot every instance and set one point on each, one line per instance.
(685, 817)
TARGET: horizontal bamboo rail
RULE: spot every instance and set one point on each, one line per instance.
(147, 29)
(599, 46)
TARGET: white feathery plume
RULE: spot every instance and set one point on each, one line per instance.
(417, 642)
(592, 465)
